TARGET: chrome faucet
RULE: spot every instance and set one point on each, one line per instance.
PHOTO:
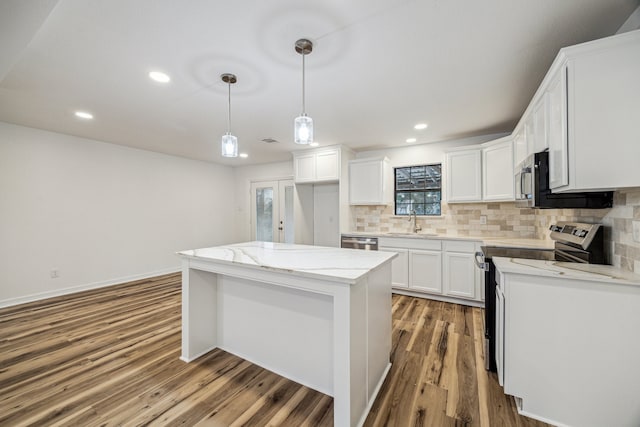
(414, 217)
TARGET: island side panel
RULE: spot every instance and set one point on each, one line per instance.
(199, 302)
(358, 349)
(379, 328)
(286, 330)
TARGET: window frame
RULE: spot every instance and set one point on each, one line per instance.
(423, 190)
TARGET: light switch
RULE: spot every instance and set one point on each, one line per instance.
(483, 219)
(636, 231)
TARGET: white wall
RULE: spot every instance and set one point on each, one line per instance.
(326, 230)
(424, 153)
(243, 176)
(100, 213)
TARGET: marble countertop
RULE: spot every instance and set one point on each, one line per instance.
(488, 241)
(335, 264)
(566, 270)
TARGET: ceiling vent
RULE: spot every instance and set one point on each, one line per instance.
(270, 141)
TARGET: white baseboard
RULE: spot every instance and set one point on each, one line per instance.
(72, 290)
(444, 298)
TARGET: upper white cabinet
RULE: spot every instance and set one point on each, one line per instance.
(556, 92)
(497, 170)
(463, 175)
(480, 173)
(540, 118)
(520, 149)
(592, 97)
(370, 182)
(322, 165)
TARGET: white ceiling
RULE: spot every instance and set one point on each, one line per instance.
(378, 67)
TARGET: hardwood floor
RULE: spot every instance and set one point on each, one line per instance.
(111, 357)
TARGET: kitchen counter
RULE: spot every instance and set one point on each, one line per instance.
(318, 316)
(487, 241)
(334, 264)
(556, 322)
(567, 270)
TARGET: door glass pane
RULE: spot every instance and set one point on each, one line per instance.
(264, 214)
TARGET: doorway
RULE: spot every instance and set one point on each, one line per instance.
(272, 211)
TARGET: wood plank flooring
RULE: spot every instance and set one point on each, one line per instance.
(111, 357)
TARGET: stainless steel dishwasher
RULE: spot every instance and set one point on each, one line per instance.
(359, 242)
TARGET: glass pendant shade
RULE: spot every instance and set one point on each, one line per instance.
(303, 129)
(229, 145)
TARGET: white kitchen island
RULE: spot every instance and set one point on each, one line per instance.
(318, 316)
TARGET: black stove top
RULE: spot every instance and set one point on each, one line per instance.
(528, 253)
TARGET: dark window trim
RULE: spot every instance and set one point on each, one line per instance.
(422, 190)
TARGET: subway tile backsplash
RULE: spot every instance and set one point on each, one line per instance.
(459, 219)
(506, 220)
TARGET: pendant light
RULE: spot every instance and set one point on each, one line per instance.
(229, 142)
(303, 124)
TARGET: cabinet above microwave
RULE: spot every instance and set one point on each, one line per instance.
(532, 188)
(591, 96)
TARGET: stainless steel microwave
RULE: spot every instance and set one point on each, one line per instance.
(532, 188)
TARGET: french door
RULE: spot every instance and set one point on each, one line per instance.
(272, 211)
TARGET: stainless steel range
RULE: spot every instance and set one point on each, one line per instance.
(574, 242)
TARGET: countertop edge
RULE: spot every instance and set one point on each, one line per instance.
(568, 271)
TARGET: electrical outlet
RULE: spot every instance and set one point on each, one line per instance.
(54, 273)
(483, 219)
(636, 231)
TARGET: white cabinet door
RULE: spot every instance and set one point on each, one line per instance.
(317, 166)
(459, 275)
(305, 168)
(497, 171)
(399, 267)
(519, 146)
(557, 98)
(464, 176)
(540, 142)
(327, 166)
(425, 271)
(500, 335)
(369, 182)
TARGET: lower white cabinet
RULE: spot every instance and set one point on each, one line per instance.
(399, 267)
(459, 278)
(444, 269)
(460, 272)
(425, 271)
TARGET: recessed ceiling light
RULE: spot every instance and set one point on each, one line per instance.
(244, 155)
(411, 140)
(420, 126)
(84, 115)
(159, 77)
(313, 144)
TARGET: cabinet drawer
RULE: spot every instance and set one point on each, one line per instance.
(459, 246)
(411, 243)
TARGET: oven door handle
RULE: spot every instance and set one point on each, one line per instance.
(484, 266)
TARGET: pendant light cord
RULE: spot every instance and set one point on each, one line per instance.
(303, 109)
(229, 110)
